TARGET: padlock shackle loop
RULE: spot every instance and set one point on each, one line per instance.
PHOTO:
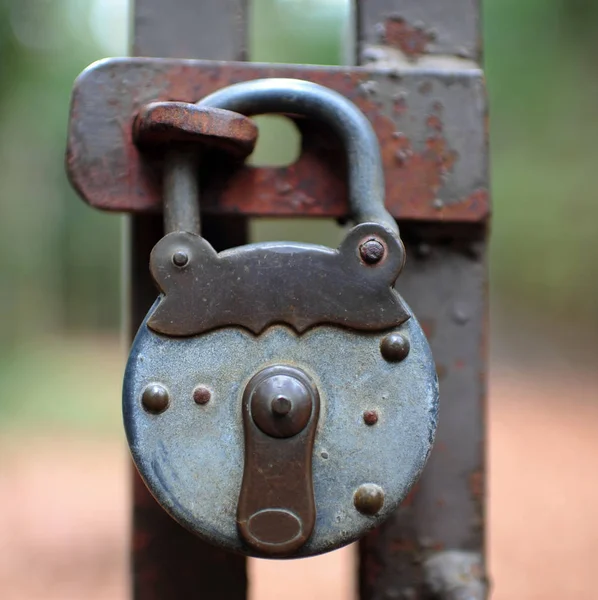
(295, 96)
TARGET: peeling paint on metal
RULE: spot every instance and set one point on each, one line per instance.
(423, 148)
(413, 40)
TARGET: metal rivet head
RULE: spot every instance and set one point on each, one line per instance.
(370, 417)
(281, 406)
(369, 499)
(394, 347)
(371, 251)
(180, 258)
(460, 315)
(201, 395)
(281, 402)
(155, 398)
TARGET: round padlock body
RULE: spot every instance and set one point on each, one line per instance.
(378, 401)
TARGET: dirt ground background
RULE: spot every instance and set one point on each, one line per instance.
(63, 493)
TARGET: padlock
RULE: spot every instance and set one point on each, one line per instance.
(281, 399)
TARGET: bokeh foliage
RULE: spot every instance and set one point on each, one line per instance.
(544, 91)
(59, 260)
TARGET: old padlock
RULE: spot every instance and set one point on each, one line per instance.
(280, 399)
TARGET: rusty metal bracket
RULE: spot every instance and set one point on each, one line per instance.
(430, 124)
(258, 285)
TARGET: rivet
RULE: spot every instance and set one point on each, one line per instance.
(324, 455)
(438, 204)
(371, 251)
(402, 156)
(281, 406)
(394, 347)
(202, 395)
(180, 258)
(370, 417)
(155, 398)
(460, 315)
(368, 499)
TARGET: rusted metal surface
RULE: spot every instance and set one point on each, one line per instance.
(166, 560)
(445, 510)
(372, 251)
(202, 395)
(160, 123)
(430, 125)
(448, 28)
(277, 512)
(258, 285)
(445, 282)
(369, 499)
(412, 40)
(370, 417)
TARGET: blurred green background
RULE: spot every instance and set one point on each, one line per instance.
(60, 358)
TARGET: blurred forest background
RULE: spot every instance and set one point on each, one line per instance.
(61, 355)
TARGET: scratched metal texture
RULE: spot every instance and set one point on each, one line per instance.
(166, 560)
(191, 456)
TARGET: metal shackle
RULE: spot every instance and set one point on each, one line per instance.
(296, 97)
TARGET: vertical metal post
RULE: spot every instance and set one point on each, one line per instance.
(167, 561)
(433, 547)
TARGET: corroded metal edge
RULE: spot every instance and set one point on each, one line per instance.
(430, 124)
(255, 286)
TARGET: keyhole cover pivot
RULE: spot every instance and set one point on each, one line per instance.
(276, 512)
(281, 401)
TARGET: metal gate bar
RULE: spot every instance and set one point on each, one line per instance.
(434, 545)
(169, 563)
